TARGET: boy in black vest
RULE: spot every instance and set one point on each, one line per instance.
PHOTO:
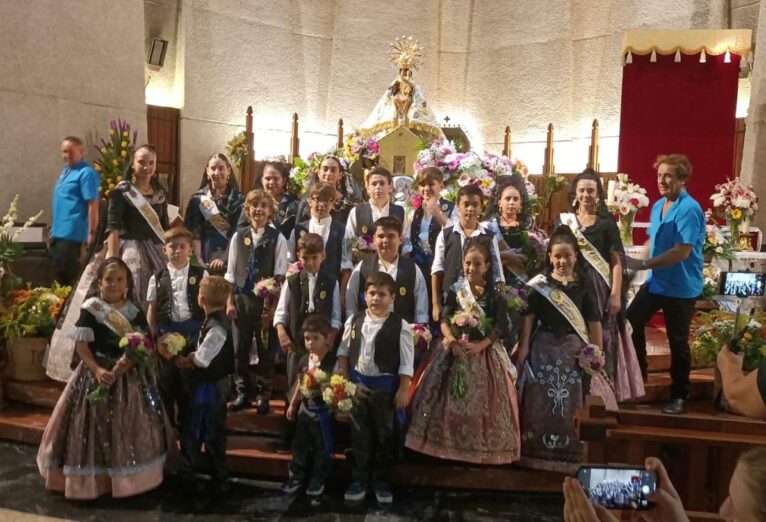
(321, 201)
(377, 352)
(256, 252)
(447, 267)
(313, 442)
(411, 301)
(378, 184)
(206, 374)
(172, 298)
(310, 290)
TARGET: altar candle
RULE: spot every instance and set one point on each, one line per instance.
(610, 193)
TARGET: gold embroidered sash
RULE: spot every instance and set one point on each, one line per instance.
(108, 315)
(563, 304)
(589, 252)
(138, 200)
(466, 299)
(212, 215)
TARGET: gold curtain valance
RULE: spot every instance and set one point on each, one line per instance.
(692, 41)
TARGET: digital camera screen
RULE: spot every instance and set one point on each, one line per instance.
(618, 488)
(743, 284)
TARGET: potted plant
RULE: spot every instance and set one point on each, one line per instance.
(26, 325)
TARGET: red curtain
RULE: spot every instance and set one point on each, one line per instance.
(686, 108)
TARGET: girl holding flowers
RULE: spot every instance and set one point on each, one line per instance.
(118, 442)
(464, 400)
(564, 317)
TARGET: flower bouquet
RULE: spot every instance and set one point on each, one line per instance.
(355, 147)
(115, 153)
(591, 359)
(338, 394)
(236, 148)
(10, 249)
(468, 326)
(737, 204)
(304, 172)
(421, 336)
(595, 380)
(628, 199)
(713, 330)
(515, 298)
(170, 345)
(711, 275)
(361, 246)
(268, 289)
(294, 268)
(138, 349)
(716, 244)
(32, 312)
(533, 246)
(312, 382)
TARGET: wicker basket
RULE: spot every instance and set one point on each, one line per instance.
(25, 359)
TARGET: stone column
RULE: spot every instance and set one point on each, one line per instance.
(754, 153)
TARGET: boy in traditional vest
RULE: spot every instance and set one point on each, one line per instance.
(321, 201)
(257, 252)
(206, 375)
(411, 301)
(312, 445)
(172, 298)
(377, 352)
(379, 184)
(447, 267)
(310, 290)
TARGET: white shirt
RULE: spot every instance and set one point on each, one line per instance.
(280, 253)
(179, 279)
(282, 313)
(420, 290)
(316, 226)
(377, 213)
(425, 225)
(439, 250)
(210, 346)
(365, 364)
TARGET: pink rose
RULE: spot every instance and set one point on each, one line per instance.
(473, 322)
(460, 321)
(417, 201)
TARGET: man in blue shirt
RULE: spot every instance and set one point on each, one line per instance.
(75, 211)
(676, 235)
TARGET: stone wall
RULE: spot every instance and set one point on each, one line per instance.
(65, 68)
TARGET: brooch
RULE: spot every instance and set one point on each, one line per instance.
(192, 280)
(364, 229)
(248, 241)
(323, 294)
(353, 333)
(402, 291)
(445, 206)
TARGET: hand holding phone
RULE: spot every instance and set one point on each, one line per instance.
(618, 487)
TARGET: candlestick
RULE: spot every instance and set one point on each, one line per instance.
(610, 193)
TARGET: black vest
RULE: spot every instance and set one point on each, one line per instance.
(364, 217)
(298, 286)
(404, 303)
(222, 364)
(433, 228)
(262, 253)
(453, 256)
(386, 343)
(165, 294)
(333, 249)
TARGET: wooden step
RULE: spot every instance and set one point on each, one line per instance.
(685, 436)
(43, 393)
(23, 423)
(701, 384)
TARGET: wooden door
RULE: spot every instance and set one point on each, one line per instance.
(162, 127)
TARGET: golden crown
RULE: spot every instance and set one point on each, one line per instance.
(406, 53)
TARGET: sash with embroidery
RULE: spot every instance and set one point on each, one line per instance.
(589, 252)
(212, 215)
(562, 303)
(138, 200)
(108, 315)
(466, 298)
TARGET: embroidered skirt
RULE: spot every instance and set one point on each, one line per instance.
(117, 446)
(480, 427)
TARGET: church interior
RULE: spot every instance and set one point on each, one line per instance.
(537, 91)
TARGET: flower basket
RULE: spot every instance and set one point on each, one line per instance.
(25, 359)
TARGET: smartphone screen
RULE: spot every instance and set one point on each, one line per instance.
(743, 284)
(618, 487)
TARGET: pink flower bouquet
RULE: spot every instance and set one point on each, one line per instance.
(138, 349)
(268, 289)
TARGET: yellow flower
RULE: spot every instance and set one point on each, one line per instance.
(123, 144)
(124, 154)
(115, 162)
(748, 336)
(736, 213)
(111, 186)
(103, 150)
(119, 178)
(97, 167)
(111, 132)
(124, 134)
(763, 351)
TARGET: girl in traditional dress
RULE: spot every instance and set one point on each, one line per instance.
(600, 243)
(565, 312)
(213, 213)
(273, 179)
(118, 444)
(464, 396)
(137, 218)
(332, 170)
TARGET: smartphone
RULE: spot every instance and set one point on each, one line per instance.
(618, 487)
(743, 284)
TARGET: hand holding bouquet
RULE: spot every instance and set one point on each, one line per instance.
(470, 325)
(138, 348)
(421, 336)
(338, 394)
(170, 345)
(312, 382)
(591, 359)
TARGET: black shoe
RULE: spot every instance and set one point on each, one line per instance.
(675, 407)
(262, 407)
(240, 403)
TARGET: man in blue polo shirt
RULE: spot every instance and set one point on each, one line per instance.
(75, 211)
(676, 235)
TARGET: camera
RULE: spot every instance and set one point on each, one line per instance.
(616, 487)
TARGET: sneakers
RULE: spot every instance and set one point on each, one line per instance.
(316, 488)
(356, 492)
(292, 486)
(383, 494)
